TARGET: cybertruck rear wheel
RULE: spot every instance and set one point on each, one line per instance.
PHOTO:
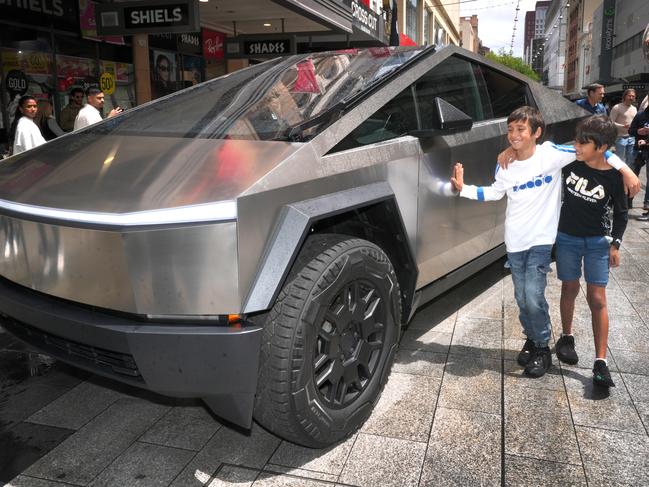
(328, 341)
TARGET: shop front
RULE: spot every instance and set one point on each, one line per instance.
(49, 47)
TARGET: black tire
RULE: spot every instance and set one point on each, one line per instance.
(328, 341)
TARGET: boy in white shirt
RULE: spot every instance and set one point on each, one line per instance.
(532, 184)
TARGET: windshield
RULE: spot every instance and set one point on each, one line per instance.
(282, 99)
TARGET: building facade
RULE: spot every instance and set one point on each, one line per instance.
(469, 30)
(528, 35)
(554, 51)
(578, 45)
(629, 67)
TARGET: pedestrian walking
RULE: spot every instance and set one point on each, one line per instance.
(593, 101)
(46, 121)
(71, 110)
(25, 134)
(622, 115)
(639, 128)
(91, 114)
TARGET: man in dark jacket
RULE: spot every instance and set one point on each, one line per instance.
(639, 129)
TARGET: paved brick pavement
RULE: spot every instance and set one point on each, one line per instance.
(455, 411)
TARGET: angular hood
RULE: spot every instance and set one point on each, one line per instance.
(124, 174)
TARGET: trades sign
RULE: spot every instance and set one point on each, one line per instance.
(148, 17)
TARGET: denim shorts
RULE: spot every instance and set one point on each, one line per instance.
(592, 250)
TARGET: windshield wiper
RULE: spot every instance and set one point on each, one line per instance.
(295, 132)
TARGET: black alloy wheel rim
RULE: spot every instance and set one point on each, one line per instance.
(349, 343)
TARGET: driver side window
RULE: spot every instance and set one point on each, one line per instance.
(458, 82)
(395, 119)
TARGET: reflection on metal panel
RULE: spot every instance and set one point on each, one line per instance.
(86, 266)
(453, 231)
(395, 162)
(126, 174)
(184, 271)
(180, 271)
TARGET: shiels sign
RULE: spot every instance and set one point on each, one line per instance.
(150, 17)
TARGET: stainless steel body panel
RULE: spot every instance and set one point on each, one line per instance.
(125, 174)
(453, 231)
(175, 271)
(395, 162)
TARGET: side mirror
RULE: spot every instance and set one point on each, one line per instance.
(446, 120)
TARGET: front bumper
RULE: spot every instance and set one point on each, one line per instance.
(216, 363)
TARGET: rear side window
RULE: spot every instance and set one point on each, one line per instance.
(505, 94)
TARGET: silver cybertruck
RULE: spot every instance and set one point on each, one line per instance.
(258, 240)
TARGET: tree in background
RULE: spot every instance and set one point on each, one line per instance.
(514, 63)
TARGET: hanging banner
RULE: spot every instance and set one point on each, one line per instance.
(88, 25)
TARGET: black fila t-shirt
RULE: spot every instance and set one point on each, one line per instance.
(588, 196)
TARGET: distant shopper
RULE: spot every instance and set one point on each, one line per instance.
(46, 121)
(91, 114)
(589, 238)
(593, 101)
(71, 110)
(24, 132)
(621, 115)
(644, 104)
(640, 130)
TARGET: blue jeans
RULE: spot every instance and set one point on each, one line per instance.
(593, 251)
(624, 149)
(529, 273)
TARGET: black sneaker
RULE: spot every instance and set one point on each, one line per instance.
(643, 218)
(540, 362)
(601, 374)
(566, 350)
(525, 355)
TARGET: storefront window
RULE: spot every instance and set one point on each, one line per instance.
(32, 72)
(427, 16)
(193, 69)
(163, 73)
(122, 79)
(411, 19)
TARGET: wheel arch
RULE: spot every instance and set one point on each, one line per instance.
(369, 212)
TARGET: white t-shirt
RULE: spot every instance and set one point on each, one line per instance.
(87, 116)
(621, 115)
(533, 189)
(28, 135)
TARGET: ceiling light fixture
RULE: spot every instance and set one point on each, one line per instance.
(266, 24)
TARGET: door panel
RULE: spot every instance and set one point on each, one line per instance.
(453, 230)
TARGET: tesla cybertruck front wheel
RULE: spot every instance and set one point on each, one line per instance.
(328, 341)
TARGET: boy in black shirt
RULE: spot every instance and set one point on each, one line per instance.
(591, 188)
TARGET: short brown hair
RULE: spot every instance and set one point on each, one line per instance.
(593, 87)
(529, 114)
